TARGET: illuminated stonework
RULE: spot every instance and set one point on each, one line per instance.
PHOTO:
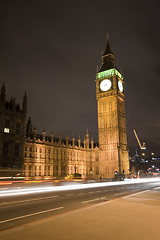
(45, 157)
(111, 119)
(108, 73)
(49, 157)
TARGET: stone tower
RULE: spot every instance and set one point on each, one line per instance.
(114, 158)
(12, 133)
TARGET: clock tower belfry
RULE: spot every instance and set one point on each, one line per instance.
(114, 157)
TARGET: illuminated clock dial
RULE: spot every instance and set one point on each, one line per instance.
(120, 86)
(105, 85)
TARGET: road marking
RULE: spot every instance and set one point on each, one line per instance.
(133, 194)
(103, 198)
(92, 200)
(29, 200)
(118, 194)
(144, 199)
(32, 214)
(156, 188)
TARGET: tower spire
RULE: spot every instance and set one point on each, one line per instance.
(108, 58)
(108, 49)
(107, 36)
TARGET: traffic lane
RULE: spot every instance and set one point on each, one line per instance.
(64, 202)
(29, 197)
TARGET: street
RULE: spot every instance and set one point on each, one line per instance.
(21, 204)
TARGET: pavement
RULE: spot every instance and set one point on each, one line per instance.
(134, 217)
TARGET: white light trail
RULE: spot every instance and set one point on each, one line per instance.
(45, 189)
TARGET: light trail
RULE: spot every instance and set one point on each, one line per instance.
(25, 191)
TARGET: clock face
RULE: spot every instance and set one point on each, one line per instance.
(105, 85)
(120, 86)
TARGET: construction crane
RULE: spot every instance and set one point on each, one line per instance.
(143, 146)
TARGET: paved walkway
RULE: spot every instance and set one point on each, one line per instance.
(135, 217)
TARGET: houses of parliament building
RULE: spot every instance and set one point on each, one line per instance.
(36, 156)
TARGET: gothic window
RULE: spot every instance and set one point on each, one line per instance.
(97, 171)
(7, 123)
(29, 170)
(30, 149)
(5, 148)
(7, 126)
(26, 149)
(16, 150)
(18, 128)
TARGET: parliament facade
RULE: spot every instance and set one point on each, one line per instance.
(26, 153)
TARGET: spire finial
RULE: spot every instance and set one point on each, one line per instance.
(107, 37)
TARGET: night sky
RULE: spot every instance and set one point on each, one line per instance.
(51, 50)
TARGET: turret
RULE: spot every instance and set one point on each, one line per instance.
(79, 142)
(24, 105)
(34, 134)
(13, 105)
(52, 136)
(92, 143)
(29, 128)
(73, 141)
(44, 135)
(3, 93)
(87, 139)
(67, 141)
(84, 142)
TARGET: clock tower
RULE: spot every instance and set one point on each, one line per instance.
(114, 157)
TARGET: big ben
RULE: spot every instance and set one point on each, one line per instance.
(114, 158)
